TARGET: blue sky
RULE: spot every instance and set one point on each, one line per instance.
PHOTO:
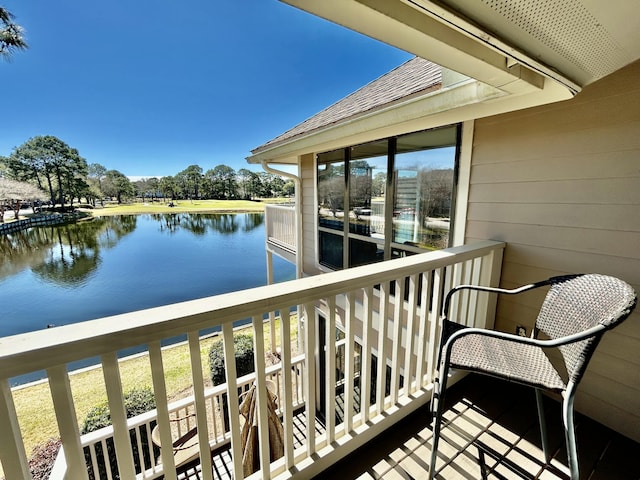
(151, 87)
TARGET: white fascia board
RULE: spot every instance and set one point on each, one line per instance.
(463, 101)
(379, 123)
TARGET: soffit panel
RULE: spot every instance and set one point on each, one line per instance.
(584, 39)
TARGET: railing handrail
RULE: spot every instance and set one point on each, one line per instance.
(28, 352)
(279, 207)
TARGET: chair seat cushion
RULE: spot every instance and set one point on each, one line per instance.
(506, 359)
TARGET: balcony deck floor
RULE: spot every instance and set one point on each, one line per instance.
(223, 462)
(490, 432)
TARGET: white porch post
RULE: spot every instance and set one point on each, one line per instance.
(12, 454)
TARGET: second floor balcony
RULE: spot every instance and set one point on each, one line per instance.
(280, 231)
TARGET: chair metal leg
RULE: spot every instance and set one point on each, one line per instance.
(437, 404)
(569, 430)
(543, 426)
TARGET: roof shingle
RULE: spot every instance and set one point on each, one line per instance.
(414, 77)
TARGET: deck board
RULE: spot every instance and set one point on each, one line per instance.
(490, 432)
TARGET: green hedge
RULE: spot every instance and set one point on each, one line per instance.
(136, 402)
(243, 347)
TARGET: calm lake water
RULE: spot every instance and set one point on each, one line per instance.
(111, 265)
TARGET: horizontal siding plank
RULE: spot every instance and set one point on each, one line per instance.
(627, 423)
(624, 397)
(622, 244)
(559, 144)
(616, 191)
(623, 163)
(556, 261)
(597, 217)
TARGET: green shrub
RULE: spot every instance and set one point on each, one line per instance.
(243, 347)
(43, 457)
(136, 402)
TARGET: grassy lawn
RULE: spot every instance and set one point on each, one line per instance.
(204, 206)
(35, 407)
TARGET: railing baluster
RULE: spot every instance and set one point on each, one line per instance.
(434, 324)
(118, 415)
(212, 413)
(330, 372)
(381, 380)
(152, 457)
(473, 294)
(140, 450)
(94, 459)
(164, 424)
(365, 356)
(261, 399)
(423, 338)
(412, 306)
(12, 453)
(200, 404)
(232, 395)
(310, 378)
(287, 401)
(398, 322)
(349, 356)
(106, 460)
(454, 277)
(67, 421)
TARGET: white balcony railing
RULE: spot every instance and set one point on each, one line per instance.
(280, 227)
(96, 443)
(337, 380)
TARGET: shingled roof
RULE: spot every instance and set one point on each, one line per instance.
(413, 78)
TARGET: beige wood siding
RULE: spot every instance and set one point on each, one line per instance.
(561, 185)
(309, 228)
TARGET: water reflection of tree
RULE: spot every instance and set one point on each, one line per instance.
(114, 228)
(75, 256)
(65, 254)
(199, 224)
(225, 223)
(253, 221)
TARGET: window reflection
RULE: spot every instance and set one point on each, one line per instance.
(367, 184)
(419, 196)
(423, 198)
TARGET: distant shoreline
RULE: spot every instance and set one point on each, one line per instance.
(181, 206)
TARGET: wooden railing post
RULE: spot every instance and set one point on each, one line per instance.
(67, 422)
(12, 454)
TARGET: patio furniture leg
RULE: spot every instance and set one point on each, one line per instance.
(543, 426)
(437, 404)
(569, 430)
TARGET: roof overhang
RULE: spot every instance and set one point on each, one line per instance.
(500, 42)
(466, 100)
(519, 55)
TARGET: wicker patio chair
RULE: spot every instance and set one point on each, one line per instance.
(576, 312)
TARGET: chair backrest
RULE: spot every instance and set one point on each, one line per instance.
(576, 303)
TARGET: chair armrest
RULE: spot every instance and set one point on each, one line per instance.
(481, 288)
(556, 342)
(513, 291)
